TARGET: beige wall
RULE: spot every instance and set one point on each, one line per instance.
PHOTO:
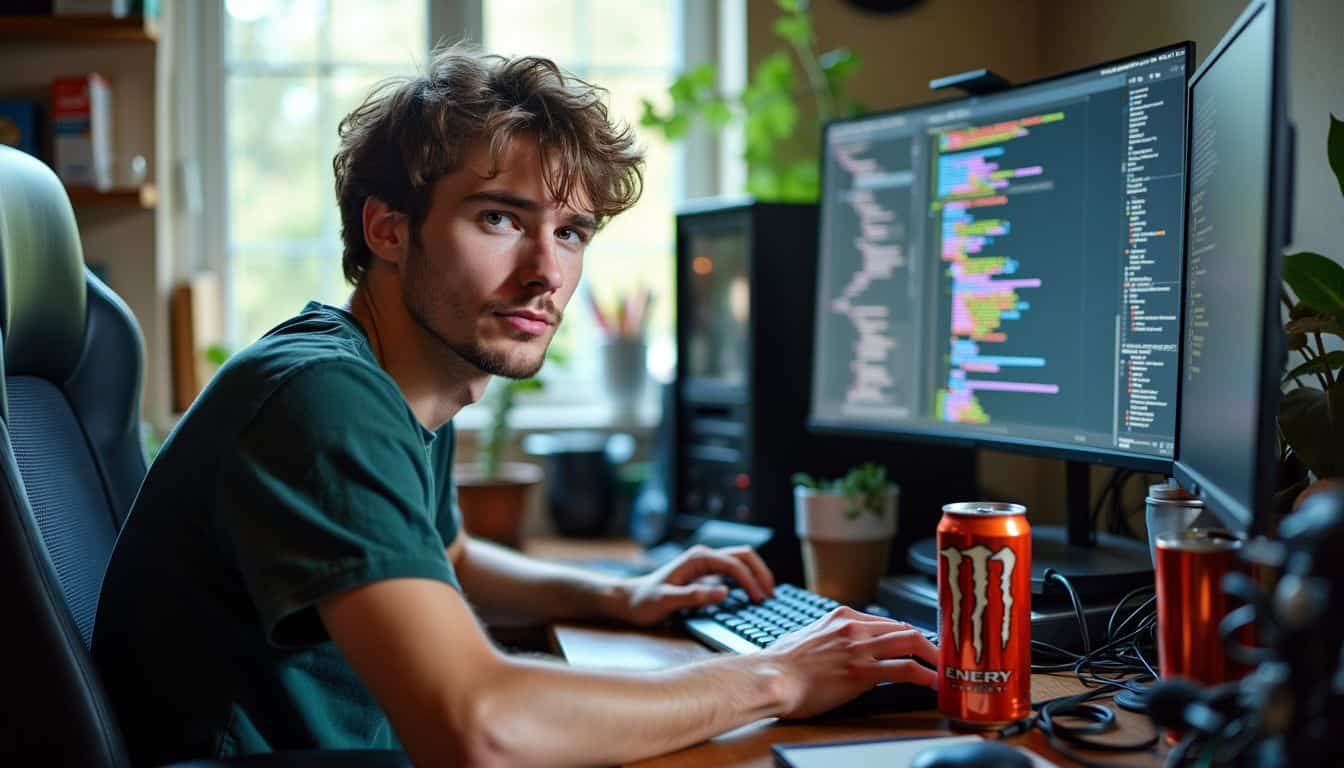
(1024, 39)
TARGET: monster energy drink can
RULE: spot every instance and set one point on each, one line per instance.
(984, 613)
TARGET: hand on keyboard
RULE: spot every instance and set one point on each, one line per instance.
(679, 585)
(846, 653)
(740, 625)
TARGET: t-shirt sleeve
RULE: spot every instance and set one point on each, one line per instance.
(331, 488)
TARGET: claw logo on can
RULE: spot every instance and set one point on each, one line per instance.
(984, 581)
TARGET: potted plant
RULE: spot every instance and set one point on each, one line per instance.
(1311, 414)
(492, 493)
(768, 108)
(845, 527)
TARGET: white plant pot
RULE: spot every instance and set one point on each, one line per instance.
(844, 556)
(821, 515)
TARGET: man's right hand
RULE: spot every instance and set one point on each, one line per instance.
(835, 659)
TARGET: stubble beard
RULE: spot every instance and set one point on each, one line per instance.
(419, 297)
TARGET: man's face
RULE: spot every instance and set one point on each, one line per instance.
(497, 261)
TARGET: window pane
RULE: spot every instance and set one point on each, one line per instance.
(272, 31)
(270, 285)
(294, 69)
(275, 172)
(550, 28)
(630, 34)
(387, 31)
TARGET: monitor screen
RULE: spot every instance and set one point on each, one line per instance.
(1235, 205)
(1006, 269)
(716, 346)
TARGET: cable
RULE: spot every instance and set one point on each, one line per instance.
(1118, 664)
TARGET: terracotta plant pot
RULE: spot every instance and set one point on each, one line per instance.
(493, 508)
(843, 558)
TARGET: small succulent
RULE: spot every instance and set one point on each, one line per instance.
(864, 487)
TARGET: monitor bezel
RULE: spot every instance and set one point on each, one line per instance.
(1050, 449)
(1230, 511)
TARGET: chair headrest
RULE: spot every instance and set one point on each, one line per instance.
(42, 292)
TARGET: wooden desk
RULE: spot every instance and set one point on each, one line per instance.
(749, 746)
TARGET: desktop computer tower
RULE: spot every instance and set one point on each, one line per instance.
(746, 290)
(743, 311)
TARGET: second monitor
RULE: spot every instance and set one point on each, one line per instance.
(1006, 269)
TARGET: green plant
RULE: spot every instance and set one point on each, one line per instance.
(768, 107)
(1311, 419)
(501, 399)
(495, 437)
(865, 489)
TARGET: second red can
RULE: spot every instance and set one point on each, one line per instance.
(984, 613)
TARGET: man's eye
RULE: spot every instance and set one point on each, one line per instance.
(570, 235)
(495, 218)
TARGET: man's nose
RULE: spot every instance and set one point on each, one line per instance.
(541, 266)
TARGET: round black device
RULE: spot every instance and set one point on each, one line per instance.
(971, 754)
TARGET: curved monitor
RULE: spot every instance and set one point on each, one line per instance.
(1238, 211)
(1005, 269)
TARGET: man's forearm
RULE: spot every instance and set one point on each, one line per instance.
(542, 714)
(505, 586)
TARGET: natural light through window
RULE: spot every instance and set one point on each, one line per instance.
(293, 69)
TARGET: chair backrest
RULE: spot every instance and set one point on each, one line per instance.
(70, 463)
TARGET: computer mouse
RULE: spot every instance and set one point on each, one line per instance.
(971, 754)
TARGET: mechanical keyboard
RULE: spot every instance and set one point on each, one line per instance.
(736, 624)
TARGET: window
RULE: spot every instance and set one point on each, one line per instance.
(292, 70)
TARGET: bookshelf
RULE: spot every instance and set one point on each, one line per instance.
(144, 196)
(77, 29)
(118, 226)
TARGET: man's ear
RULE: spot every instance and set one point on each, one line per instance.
(386, 232)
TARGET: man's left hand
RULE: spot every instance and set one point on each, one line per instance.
(680, 584)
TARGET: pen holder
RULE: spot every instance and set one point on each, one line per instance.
(623, 369)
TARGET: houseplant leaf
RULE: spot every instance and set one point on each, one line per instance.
(1332, 361)
(839, 65)
(795, 29)
(1313, 422)
(1317, 280)
(1314, 325)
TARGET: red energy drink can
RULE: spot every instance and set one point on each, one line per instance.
(1191, 603)
(984, 613)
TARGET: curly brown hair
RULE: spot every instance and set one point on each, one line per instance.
(412, 131)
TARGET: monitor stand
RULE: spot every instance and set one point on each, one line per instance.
(1096, 564)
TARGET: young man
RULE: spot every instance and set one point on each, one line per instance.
(292, 574)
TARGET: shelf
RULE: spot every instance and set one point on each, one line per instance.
(144, 196)
(77, 29)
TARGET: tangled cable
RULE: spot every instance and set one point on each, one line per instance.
(1119, 664)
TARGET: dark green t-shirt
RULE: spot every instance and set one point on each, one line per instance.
(298, 473)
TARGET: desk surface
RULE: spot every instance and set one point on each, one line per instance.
(749, 746)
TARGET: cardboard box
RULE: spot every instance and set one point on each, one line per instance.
(81, 122)
(21, 125)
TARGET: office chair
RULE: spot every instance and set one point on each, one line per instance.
(70, 465)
